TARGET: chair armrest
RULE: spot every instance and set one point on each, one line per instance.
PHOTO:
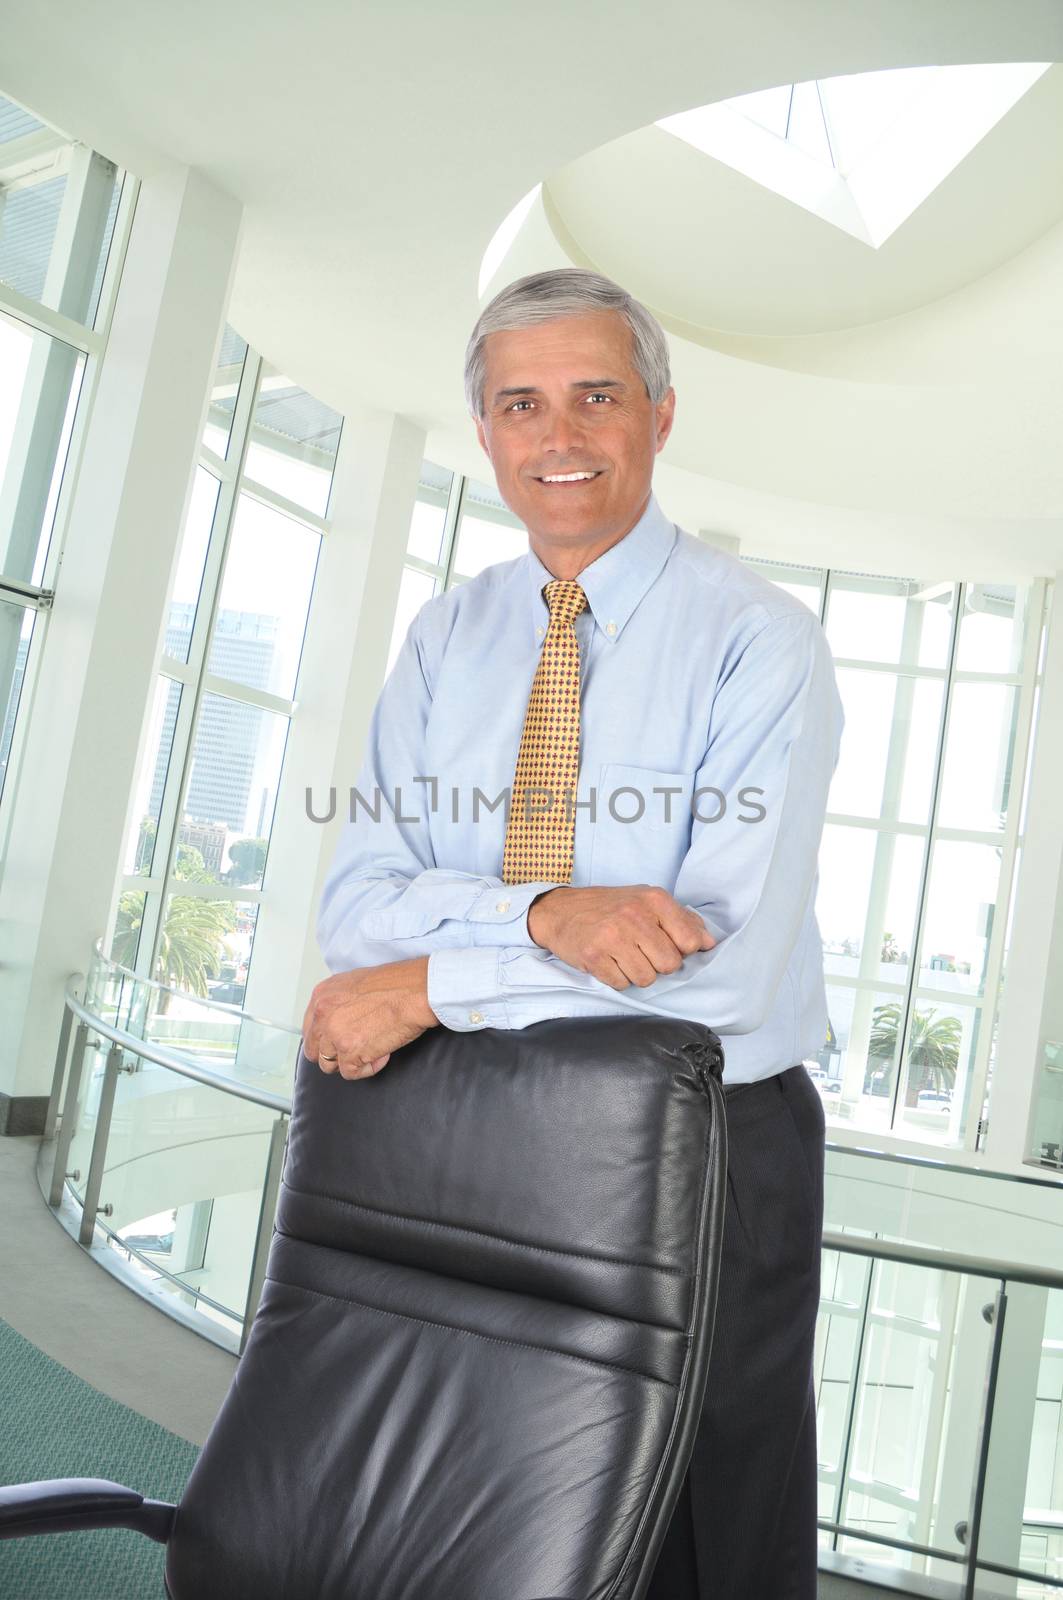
(62, 1505)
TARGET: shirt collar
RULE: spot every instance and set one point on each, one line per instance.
(615, 581)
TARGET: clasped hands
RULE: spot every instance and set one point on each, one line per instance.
(622, 936)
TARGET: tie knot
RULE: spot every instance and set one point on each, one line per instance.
(565, 598)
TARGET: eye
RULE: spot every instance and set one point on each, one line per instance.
(599, 394)
(517, 403)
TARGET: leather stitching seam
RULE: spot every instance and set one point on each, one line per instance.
(481, 1233)
(473, 1333)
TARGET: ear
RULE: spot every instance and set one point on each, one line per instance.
(481, 435)
(664, 417)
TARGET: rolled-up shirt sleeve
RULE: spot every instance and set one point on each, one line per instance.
(383, 898)
(772, 747)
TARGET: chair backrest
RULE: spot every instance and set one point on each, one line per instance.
(480, 1355)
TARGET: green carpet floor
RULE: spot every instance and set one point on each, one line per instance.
(54, 1425)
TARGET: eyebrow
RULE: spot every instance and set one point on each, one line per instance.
(577, 383)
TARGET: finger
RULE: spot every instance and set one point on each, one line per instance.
(687, 938)
(315, 1039)
(706, 937)
(686, 928)
(369, 1068)
(312, 1019)
(327, 1057)
(659, 949)
(606, 970)
(352, 1069)
(634, 965)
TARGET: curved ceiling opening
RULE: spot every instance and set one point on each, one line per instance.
(864, 150)
(813, 208)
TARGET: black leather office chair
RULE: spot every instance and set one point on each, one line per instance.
(479, 1360)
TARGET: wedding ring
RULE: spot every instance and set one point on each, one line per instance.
(329, 1058)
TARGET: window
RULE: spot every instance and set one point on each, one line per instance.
(920, 842)
(458, 527)
(58, 212)
(196, 859)
(62, 207)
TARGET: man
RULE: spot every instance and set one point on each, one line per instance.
(696, 705)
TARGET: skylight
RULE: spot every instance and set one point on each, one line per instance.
(863, 151)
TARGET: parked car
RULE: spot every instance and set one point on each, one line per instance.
(229, 993)
(152, 1244)
(933, 1100)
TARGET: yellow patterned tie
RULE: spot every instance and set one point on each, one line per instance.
(541, 829)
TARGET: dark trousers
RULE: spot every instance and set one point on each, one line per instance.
(744, 1526)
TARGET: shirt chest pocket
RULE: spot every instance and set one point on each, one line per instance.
(641, 830)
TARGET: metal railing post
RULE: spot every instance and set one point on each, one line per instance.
(264, 1234)
(974, 1523)
(70, 1114)
(99, 1144)
(51, 1116)
(853, 1401)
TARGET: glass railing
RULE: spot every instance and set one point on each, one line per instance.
(164, 1142)
(939, 1372)
(939, 1352)
(1046, 1140)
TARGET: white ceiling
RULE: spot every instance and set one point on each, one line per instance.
(721, 252)
(897, 410)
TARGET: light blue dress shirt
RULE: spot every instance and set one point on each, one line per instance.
(710, 723)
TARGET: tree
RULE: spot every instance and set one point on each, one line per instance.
(191, 867)
(192, 944)
(127, 928)
(193, 938)
(145, 844)
(889, 948)
(247, 858)
(933, 1047)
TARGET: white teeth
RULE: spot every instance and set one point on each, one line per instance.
(568, 477)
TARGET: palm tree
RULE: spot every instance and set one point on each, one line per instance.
(127, 928)
(193, 938)
(192, 942)
(933, 1047)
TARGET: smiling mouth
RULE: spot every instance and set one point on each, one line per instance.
(563, 480)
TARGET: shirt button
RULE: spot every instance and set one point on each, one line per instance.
(538, 633)
(503, 905)
(476, 1016)
(610, 627)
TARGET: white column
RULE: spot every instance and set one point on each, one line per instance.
(98, 658)
(343, 667)
(1031, 1007)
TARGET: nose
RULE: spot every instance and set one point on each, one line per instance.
(562, 434)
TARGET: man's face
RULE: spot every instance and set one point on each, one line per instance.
(564, 397)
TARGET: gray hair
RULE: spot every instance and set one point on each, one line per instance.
(566, 292)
